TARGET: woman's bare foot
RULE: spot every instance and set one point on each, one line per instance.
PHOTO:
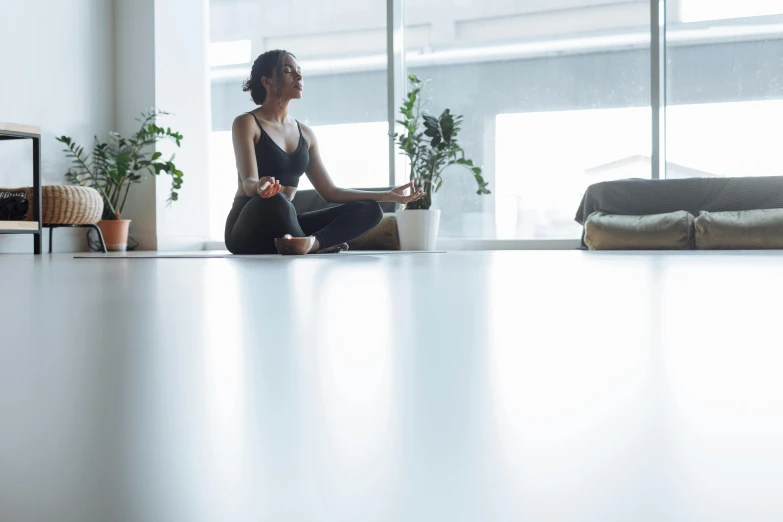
(333, 250)
(295, 246)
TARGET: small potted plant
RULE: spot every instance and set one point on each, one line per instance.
(114, 166)
(431, 146)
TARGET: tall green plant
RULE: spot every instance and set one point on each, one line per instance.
(431, 145)
(114, 166)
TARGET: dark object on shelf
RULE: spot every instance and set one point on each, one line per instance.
(15, 204)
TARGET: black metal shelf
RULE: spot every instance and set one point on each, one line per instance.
(11, 131)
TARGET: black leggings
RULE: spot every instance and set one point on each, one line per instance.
(255, 222)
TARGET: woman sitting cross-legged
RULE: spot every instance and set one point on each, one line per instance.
(272, 152)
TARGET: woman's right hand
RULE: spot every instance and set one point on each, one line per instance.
(267, 187)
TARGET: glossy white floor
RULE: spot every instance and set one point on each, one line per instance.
(472, 386)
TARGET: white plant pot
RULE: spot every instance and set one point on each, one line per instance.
(418, 228)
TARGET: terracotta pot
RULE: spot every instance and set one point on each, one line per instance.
(115, 233)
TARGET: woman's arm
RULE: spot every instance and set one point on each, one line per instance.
(243, 138)
(331, 193)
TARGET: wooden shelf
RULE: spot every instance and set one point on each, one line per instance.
(15, 127)
(18, 225)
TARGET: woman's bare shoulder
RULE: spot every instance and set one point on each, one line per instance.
(308, 133)
(244, 120)
(244, 124)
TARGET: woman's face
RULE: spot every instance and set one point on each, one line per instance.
(290, 83)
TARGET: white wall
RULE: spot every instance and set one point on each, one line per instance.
(56, 72)
(135, 81)
(182, 88)
(86, 67)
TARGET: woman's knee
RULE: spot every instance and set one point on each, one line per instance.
(268, 216)
(372, 209)
(275, 205)
(277, 199)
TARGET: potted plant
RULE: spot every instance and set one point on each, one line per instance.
(114, 166)
(431, 146)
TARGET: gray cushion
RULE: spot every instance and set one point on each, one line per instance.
(743, 229)
(670, 231)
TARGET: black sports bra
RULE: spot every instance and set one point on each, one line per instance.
(274, 161)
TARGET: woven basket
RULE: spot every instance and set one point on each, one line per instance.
(71, 205)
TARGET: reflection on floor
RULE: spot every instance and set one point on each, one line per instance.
(498, 386)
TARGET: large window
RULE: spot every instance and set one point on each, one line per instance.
(345, 98)
(544, 161)
(725, 88)
(555, 95)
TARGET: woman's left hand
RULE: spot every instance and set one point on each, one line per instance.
(398, 194)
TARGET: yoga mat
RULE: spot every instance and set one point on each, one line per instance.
(267, 256)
